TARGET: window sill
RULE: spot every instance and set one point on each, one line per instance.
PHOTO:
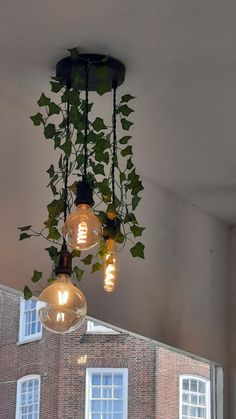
(29, 340)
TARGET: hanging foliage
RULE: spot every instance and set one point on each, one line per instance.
(115, 212)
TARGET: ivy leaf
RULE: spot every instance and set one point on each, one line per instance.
(98, 124)
(37, 119)
(52, 279)
(87, 260)
(27, 293)
(56, 87)
(101, 216)
(130, 218)
(78, 273)
(127, 151)
(122, 177)
(138, 250)
(103, 88)
(125, 110)
(55, 207)
(129, 164)
(136, 230)
(66, 147)
(52, 251)
(126, 124)
(97, 267)
(76, 253)
(74, 53)
(119, 237)
(98, 169)
(43, 100)
(51, 171)
(125, 139)
(127, 98)
(135, 201)
(54, 109)
(101, 156)
(49, 131)
(53, 234)
(73, 187)
(25, 228)
(24, 236)
(36, 276)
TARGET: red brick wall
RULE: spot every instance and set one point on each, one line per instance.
(153, 371)
(170, 365)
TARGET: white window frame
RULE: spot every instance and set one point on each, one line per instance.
(198, 378)
(18, 392)
(90, 371)
(96, 328)
(22, 337)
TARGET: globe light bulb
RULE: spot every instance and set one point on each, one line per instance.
(82, 229)
(61, 307)
(110, 266)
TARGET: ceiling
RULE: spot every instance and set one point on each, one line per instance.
(181, 64)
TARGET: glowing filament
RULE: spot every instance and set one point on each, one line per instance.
(62, 297)
(110, 268)
(82, 232)
(60, 317)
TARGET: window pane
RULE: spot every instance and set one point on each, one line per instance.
(96, 393)
(107, 379)
(96, 406)
(193, 386)
(96, 379)
(96, 416)
(118, 393)
(107, 393)
(202, 387)
(118, 379)
(202, 400)
(185, 384)
(106, 406)
(118, 406)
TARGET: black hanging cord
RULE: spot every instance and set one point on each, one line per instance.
(67, 163)
(86, 122)
(114, 147)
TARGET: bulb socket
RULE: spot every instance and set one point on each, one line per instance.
(65, 262)
(84, 193)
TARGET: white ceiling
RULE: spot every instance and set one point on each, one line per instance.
(181, 64)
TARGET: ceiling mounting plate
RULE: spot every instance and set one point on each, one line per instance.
(113, 75)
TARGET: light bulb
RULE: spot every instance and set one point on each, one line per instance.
(110, 266)
(82, 229)
(61, 306)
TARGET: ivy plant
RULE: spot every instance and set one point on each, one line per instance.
(118, 215)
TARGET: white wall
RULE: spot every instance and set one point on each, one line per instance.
(179, 295)
(232, 321)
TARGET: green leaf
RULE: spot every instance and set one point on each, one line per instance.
(97, 267)
(122, 177)
(66, 147)
(87, 260)
(125, 110)
(98, 169)
(37, 119)
(55, 208)
(101, 216)
(25, 228)
(53, 252)
(76, 253)
(129, 164)
(53, 234)
(126, 124)
(125, 139)
(36, 276)
(103, 88)
(130, 218)
(56, 87)
(135, 201)
(54, 109)
(98, 124)
(24, 236)
(52, 279)
(127, 98)
(43, 100)
(27, 293)
(138, 250)
(51, 171)
(74, 53)
(49, 131)
(136, 230)
(127, 151)
(119, 238)
(78, 273)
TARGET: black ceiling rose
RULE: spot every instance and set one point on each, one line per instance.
(115, 70)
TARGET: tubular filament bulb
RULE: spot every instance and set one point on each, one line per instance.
(82, 233)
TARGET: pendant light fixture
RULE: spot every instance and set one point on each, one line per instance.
(96, 172)
(82, 229)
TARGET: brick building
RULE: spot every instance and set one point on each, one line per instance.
(93, 373)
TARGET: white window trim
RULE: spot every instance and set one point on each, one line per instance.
(199, 378)
(18, 391)
(26, 339)
(95, 328)
(90, 371)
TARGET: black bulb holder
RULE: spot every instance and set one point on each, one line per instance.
(84, 194)
(65, 262)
